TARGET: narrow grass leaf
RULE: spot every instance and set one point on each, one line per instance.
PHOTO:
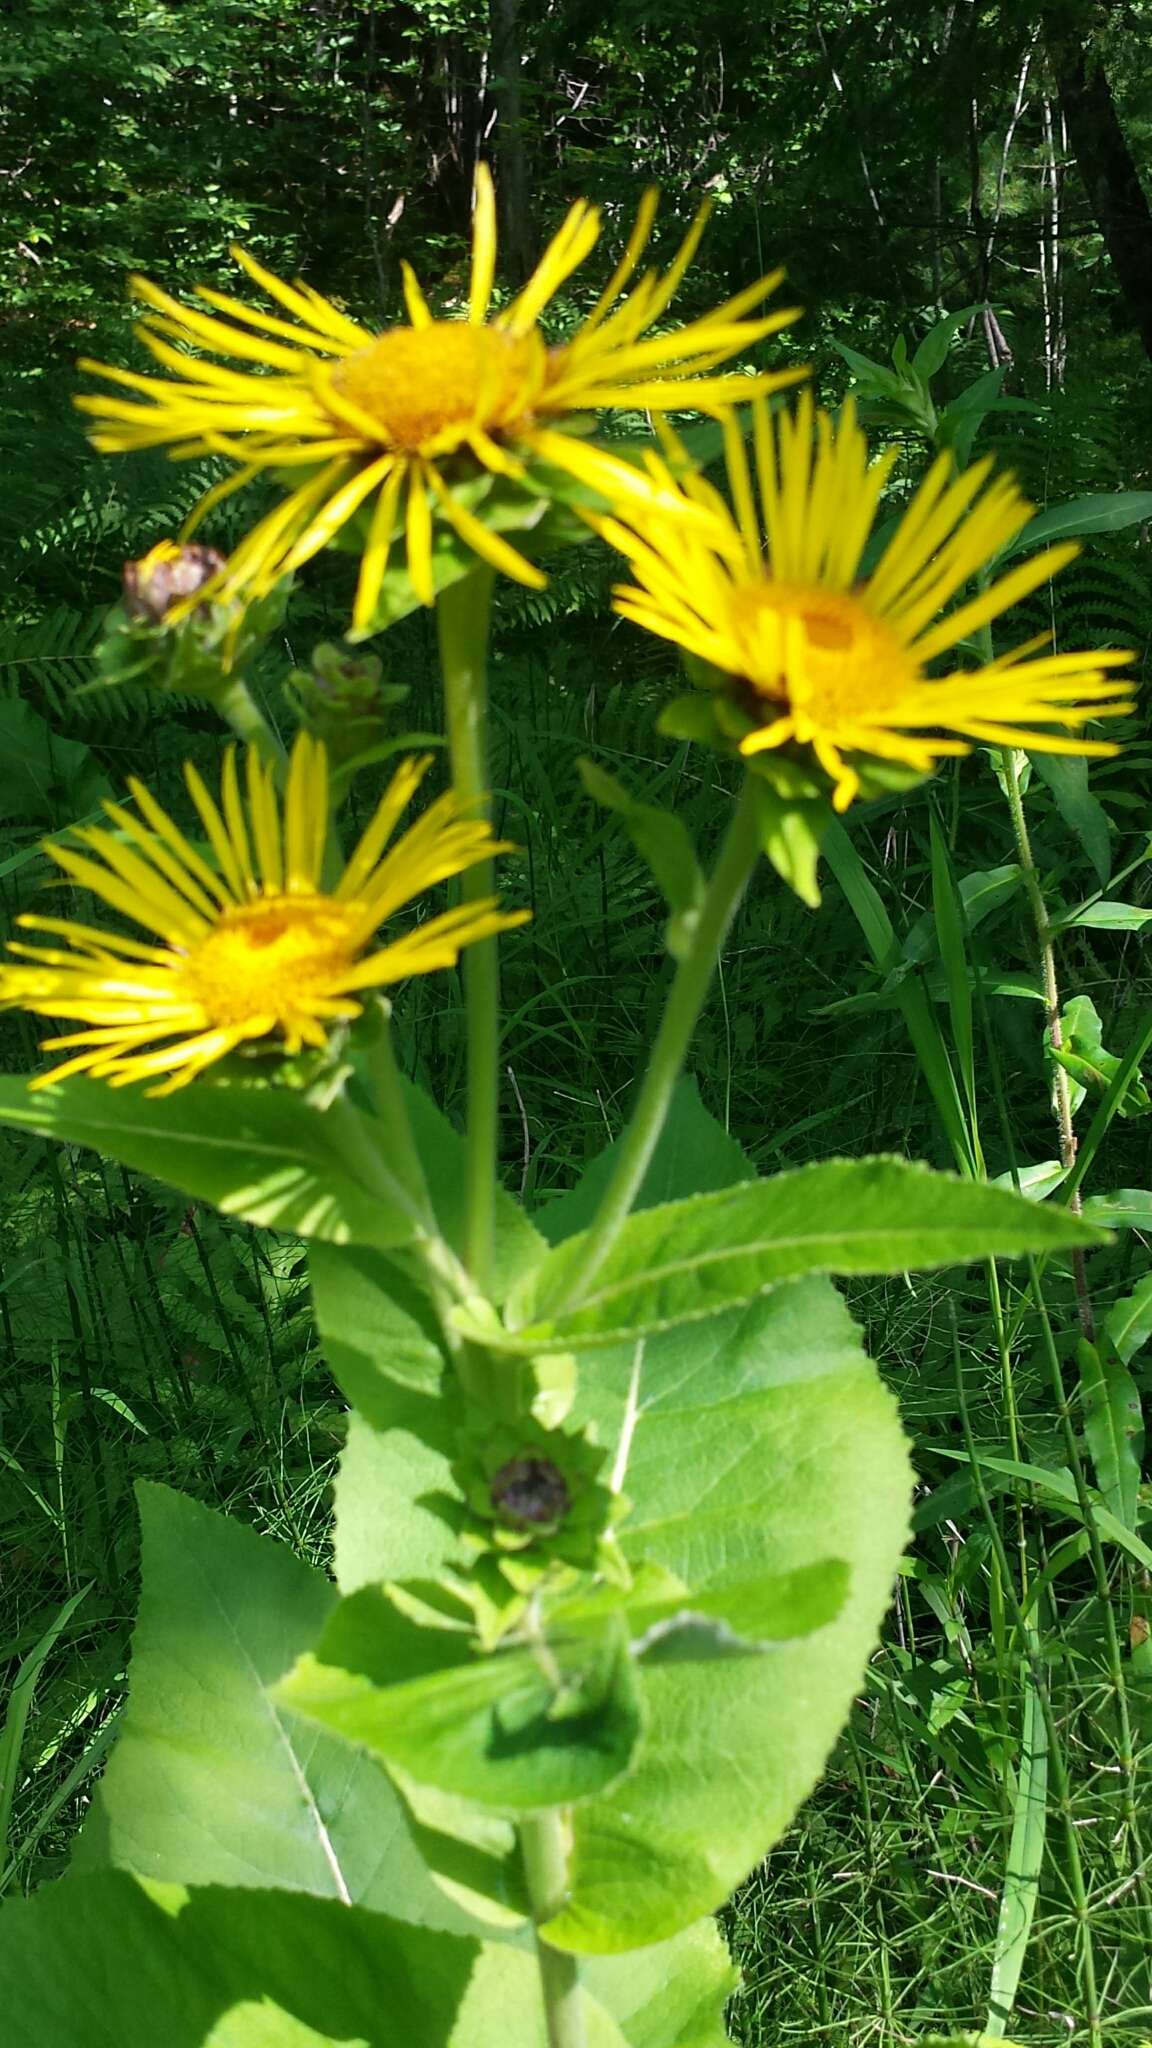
(19, 1707)
(1025, 1861)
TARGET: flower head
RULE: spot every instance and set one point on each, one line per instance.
(167, 576)
(806, 653)
(255, 943)
(397, 423)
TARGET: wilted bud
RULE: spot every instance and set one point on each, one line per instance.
(530, 1493)
(165, 575)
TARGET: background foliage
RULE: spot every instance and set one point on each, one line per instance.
(903, 160)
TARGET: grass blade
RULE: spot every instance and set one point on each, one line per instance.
(1025, 1857)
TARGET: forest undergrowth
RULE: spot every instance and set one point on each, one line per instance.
(979, 1853)
(146, 1337)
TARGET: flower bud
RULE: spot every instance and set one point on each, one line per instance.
(530, 1493)
(165, 575)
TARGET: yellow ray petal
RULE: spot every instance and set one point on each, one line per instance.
(483, 246)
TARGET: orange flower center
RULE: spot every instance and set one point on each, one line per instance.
(423, 387)
(820, 652)
(273, 958)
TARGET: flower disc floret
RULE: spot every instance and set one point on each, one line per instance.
(426, 388)
(398, 427)
(255, 945)
(806, 653)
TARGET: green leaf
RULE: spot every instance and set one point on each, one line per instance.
(264, 1154)
(932, 354)
(105, 1963)
(43, 776)
(750, 1614)
(1128, 1324)
(750, 1443)
(672, 1995)
(868, 908)
(661, 839)
(1123, 1209)
(379, 1331)
(1067, 777)
(442, 1155)
(981, 892)
(1102, 512)
(691, 1146)
(1060, 1486)
(1084, 1056)
(1035, 1182)
(792, 830)
(1106, 917)
(1025, 1859)
(211, 1782)
(693, 1258)
(872, 377)
(1113, 1429)
(384, 1529)
(511, 1730)
(20, 1696)
(951, 937)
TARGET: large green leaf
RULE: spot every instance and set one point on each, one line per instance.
(1102, 512)
(442, 1155)
(688, 1259)
(380, 1335)
(672, 1995)
(262, 1153)
(1113, 1428)
(384, 1529)
(213, 1782)
(756, 1440)
(508, 1730)
(693, 1151)
(42, 775)
(1067, 777)
(101, 1963)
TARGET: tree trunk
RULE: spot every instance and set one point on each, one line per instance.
(504, 61)
(1104, 160)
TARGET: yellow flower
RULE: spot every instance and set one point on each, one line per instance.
(253, 943)
(399, 419)
(828, 660)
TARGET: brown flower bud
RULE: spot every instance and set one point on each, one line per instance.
(530, 1493)
(165, 575)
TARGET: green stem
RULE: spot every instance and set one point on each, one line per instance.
(236, 704)
(1061, 1098)
(543, 1845)
(685, 1002)
(463, 612)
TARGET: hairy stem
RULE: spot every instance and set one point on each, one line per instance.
(544, 1847)
(463, 613)
(685, 1001)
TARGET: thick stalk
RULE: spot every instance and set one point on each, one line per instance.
(1061, 1098)
(543, 1845)
(236, 704)
(685, 1001)
(463, 612)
